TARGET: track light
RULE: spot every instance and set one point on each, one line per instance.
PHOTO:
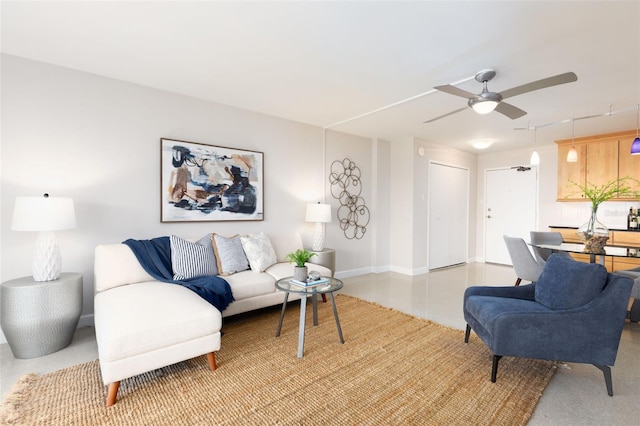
(572, 155)
(535, 158)
(635, 146)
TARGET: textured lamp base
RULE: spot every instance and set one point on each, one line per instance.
(47, 262)
(318, 237)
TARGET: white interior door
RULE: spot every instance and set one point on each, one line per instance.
(448, 215)
(510, 209)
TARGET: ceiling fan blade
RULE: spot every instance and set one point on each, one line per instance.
(509, 110)
(567, 77)
(446, 115)
(452, 90)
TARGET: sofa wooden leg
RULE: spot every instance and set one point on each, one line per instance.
(112, 393)
(211, 357)
(494, 368)
(518, 281)
(466, 333)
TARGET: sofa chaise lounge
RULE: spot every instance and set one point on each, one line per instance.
(143, 324)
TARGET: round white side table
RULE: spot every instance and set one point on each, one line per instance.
(40, 317)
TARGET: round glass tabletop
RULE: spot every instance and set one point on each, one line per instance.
(286, 284)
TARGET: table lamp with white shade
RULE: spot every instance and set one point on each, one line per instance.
(44, 214)
(320, 214)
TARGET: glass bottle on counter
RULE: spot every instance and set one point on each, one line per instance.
(633, 223)
(629, 218)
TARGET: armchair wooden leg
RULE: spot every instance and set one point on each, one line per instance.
(466, 333)
(211, 357)
(494, 368)
(518, 281)
(112, 393)
(606, 370)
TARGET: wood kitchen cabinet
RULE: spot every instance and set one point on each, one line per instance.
(601, 159)
(628, 239)
(629, 165)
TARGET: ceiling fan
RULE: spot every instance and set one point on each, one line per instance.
(487, 101)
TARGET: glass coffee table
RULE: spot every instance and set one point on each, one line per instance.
(329, 288)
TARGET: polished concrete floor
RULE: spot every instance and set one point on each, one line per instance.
(575, 396)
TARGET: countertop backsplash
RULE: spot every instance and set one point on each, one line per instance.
(613, 214)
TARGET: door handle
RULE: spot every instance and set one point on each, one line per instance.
(489, 217)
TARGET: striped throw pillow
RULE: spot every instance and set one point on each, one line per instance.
(190, 260)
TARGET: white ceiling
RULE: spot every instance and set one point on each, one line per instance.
(326, 62)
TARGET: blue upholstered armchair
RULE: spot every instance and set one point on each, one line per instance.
(573, 313)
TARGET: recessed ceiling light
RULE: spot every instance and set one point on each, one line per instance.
(482, 144)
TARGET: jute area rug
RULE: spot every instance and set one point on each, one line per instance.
(392, 369)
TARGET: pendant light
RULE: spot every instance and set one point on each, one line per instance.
(572, 155)
(535, 158)
(635, 146)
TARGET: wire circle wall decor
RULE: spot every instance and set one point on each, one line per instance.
(346, 187)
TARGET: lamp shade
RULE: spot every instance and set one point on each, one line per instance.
(635, 146)
(43, 214)
(572, 156)
(318, 213)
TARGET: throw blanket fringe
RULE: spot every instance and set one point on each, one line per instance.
(155, 257)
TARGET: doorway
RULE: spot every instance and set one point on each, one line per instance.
(511, 205)
(448, 213)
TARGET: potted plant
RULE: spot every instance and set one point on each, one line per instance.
(300, 257)
(597, 194)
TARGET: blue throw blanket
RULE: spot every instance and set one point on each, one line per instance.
(155, 257)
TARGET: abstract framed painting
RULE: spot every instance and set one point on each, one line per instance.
(208, 183)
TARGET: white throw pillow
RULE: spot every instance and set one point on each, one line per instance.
(190, 260)
(229, 254)
(259, 251)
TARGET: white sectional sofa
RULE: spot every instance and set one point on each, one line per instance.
(143, 324)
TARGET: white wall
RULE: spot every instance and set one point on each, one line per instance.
(381, 234)
(355, 254)
(443, 155)
(408, 201)
(402, 207)
(97, 140)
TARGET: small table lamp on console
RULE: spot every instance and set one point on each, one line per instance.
(44, 214)
(320, 214)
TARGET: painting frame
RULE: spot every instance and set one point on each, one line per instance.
(210, 183)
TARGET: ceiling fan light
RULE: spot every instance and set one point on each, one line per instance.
(635, 146)
(483, 106)
(572, 155)
(535, 158)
